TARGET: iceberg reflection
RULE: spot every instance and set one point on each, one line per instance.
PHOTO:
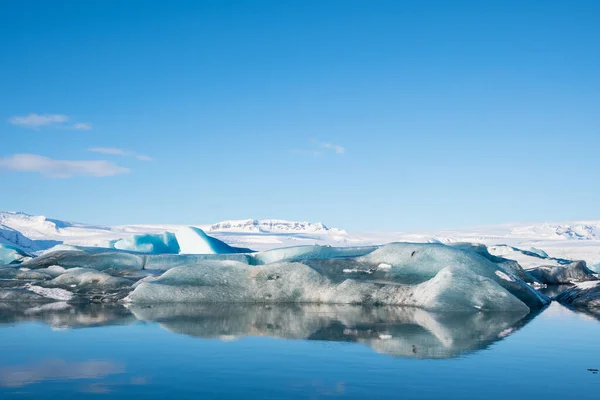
(396, 331)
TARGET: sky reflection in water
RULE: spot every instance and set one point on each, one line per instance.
(295, 351)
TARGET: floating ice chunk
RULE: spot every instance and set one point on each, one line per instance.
(51, 293)
(417, 262)
(556, 275)
(159, 243)
(99, 259)
(194, 241)
(384, 267)
(583, 295)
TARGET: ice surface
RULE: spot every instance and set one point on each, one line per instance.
(99, 259)
(510, 266)
(17, 274)
(158, 243)
(85, 279)
(528, 259)
(556, 275)
(233, 282)
(105, 259)
(299, 253)
(20, 295)
(51, 293)
(417, 262)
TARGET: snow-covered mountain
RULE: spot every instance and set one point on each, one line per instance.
(271, 225)
(577, 230)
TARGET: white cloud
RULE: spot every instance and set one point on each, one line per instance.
(109, 150)
(52, 168)
(113, 151)
(82, 126)
(37, 121)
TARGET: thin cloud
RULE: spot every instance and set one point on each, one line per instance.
(114, 151)
(330, 146)
(52, 168)
(37, 121)
(320, 148)
(82, 126)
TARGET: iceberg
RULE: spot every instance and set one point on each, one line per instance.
(10, 254)
(189, 240)
(233, 282)
(585, 295)
(428, 275)
(557, 275)
(194, 241)
(161, 243)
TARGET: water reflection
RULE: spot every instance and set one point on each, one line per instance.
(61, 315)
(22, 375)
(396, 331)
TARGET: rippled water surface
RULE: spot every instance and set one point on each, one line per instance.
(217, 351)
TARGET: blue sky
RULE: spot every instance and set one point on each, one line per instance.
(364, 115)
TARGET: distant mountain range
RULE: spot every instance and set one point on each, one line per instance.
(578, 240)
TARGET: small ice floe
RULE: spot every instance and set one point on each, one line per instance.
(384, 267)
(385, 336)
(24, 269)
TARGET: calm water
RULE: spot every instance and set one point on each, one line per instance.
(304, 352)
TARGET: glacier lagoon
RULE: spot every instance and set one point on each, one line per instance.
(149, 316)
(231, 351)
